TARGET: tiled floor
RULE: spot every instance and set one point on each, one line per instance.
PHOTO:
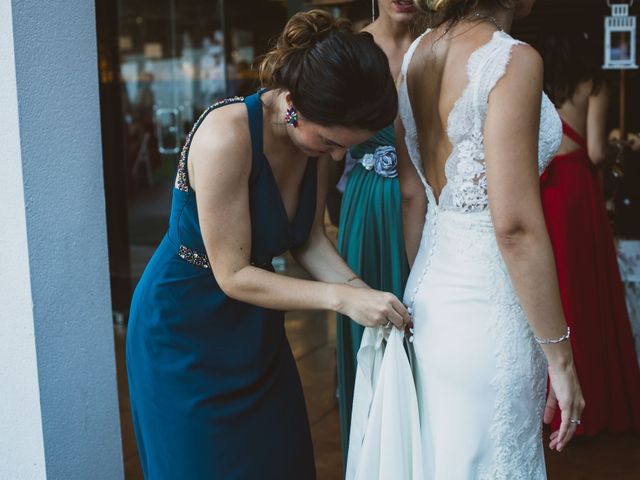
(312, 337)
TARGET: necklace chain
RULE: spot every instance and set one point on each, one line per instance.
(492, 19)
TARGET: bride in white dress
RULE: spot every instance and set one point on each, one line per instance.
(483, 293)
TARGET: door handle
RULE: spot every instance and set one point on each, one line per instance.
(167, 124)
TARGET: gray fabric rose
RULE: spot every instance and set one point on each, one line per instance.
(386, 161)
(383, 161)
(368, 161)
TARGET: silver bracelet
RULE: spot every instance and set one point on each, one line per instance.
(548, 341)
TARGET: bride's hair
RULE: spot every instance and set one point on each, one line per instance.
(335, 77)
(439, 12)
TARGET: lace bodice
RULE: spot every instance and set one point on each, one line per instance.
(465, 170)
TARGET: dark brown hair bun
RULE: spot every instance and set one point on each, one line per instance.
(300, 34)
(336, 77)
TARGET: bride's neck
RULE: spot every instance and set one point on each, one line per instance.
(503, 17)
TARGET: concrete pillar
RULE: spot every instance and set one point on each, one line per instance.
(58, 393)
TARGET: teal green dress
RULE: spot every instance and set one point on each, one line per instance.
(371, 241)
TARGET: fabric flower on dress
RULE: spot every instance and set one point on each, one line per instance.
(383, 161)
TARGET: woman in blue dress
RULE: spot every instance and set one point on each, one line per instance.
(371, 237)
(214, 389)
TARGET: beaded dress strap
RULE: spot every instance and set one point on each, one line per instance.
(254, 110)
(182, 180)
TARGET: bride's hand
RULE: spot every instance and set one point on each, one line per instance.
(564, 393)
(372, 308)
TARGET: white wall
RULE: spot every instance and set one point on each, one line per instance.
(54, 287)
(21, 442)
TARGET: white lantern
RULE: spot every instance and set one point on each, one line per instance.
(620, 38)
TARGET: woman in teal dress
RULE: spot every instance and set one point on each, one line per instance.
(214, 389)
(370, 235)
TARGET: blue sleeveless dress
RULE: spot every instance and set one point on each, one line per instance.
(214, 389)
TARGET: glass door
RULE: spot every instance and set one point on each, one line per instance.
(162, 62)
(172, 65)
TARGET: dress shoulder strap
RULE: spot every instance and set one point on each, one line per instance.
(487, 65)
(409, 54)
(182, 180)
(573, 135)
(254, 109)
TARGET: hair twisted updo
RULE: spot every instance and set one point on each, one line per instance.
(335, 77)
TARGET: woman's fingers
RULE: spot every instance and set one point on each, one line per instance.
(395, 318)
(565, 394)
(574, 420)
(569, 424)
(399, 307)
(565, 425)
(550, 407)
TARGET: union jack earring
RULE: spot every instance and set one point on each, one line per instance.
(291, 117)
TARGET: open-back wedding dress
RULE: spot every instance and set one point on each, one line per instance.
(480, 376)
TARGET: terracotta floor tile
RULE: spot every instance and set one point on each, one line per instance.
(120, 332)
(326, 446)
(306, 331)
(129, 448)
(133, 469)
(604, 457)
(317, 372)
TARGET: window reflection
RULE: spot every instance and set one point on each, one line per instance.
(162, 62)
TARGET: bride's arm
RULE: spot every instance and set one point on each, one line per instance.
(414, 200)
(511, 145)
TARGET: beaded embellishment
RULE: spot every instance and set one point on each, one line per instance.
(182, 182)
(193, 257)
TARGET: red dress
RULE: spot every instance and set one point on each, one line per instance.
(592, 293)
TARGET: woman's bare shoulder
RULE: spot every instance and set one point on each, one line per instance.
(222, 142)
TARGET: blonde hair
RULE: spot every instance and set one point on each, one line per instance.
(432, 5)
(438, 12)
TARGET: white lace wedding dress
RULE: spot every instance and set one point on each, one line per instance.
(480, 376)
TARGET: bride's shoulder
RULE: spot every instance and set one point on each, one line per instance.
(525, 61)
(520, 52)
(521, 70)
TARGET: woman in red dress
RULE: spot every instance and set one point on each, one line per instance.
(574, 207)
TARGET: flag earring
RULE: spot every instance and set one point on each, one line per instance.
(291, 117)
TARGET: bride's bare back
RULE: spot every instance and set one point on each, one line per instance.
(436, 79)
